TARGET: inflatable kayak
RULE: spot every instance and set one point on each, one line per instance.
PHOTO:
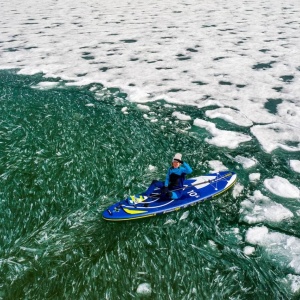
(195, 189)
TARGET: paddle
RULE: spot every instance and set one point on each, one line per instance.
(203, 182)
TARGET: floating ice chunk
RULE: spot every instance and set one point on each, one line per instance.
(181, 116)
(152, 168)
(184, 215)
(295, 165)
(238, 188)
(277, 245)
(289, 112)
(170, 221)
(143, 107)
(216, 166)
(249, 250)
(124, 110)
(151, 119)
(259, 208)
(46, 85)
(254, 176)
(277, 135)
(229, 115)
(245, 162)
(222, 138)
(144, 289)
(295, 283)
(282, 187)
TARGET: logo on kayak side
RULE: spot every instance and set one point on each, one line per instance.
(192, 193)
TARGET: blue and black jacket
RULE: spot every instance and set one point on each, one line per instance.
(175, 176)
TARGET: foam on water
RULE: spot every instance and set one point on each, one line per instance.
(242, 57)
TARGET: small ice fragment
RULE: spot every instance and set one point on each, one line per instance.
(143, 107)
(184, 216)
(152, 168)
(246, 162)
(144, 289)
(295, 165)
(238, 188)
(248, 250)
(254, 176)
(170, 221)
(216, 166)
(181, 116)
(295, 282)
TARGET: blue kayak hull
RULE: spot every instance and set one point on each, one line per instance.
(196, 190)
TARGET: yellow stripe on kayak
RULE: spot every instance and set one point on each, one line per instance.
(134, 211)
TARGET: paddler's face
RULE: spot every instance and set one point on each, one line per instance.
(175, 164)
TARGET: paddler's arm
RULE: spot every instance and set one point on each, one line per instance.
(187, 168)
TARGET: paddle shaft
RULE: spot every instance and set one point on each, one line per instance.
(203, 182)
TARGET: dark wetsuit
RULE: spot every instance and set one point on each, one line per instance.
(174, 180)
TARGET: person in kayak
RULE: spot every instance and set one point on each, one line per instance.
(171, 188)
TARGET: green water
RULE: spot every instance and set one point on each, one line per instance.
(66, 154)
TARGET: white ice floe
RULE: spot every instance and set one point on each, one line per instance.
(237, 189)
(143, 107)
(277, 135)
(222, 138)
(254, 177)
(46, 85)
(181, 116)
(246, 162)
(230, 115)
(295, 165)
(201, 57)
(282, 187)
(248, 250)
(277, 245)
(216, 166)
(259, 208)
(294, 282)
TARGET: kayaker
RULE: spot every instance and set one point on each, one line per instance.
(171, 188)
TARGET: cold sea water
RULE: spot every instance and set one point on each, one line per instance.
(95, 100)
